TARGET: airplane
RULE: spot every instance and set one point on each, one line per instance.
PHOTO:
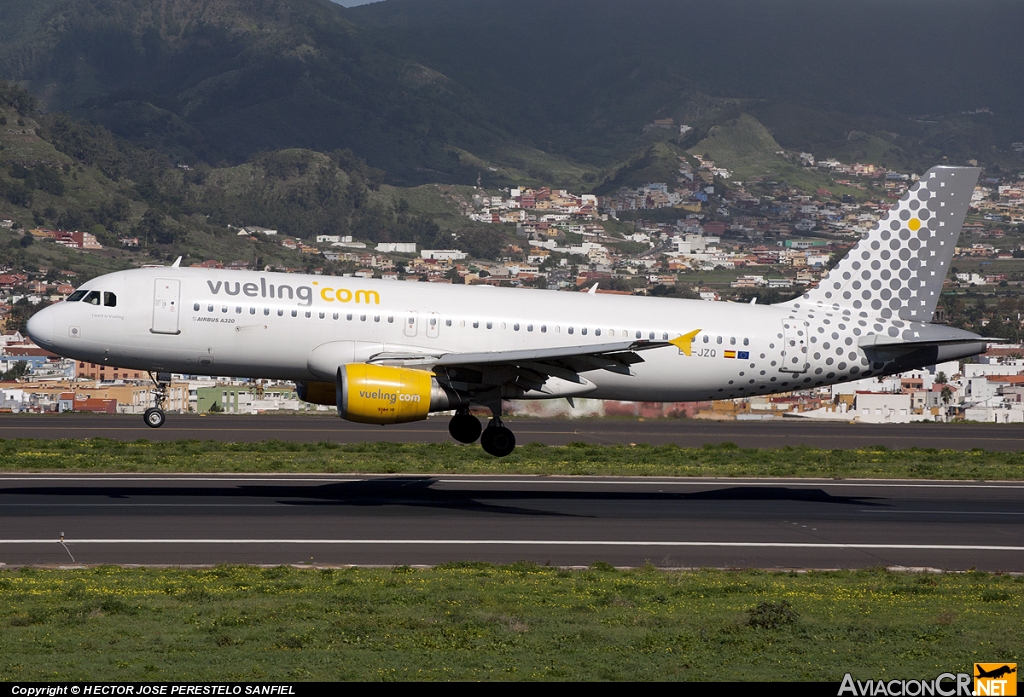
(386, 352)
(994, 673)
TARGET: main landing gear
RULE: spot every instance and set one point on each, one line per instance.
(464, 427)
(154, 416)
(496, 439)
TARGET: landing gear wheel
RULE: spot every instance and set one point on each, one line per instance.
(154, 418)
(465, 428)
(498, 441)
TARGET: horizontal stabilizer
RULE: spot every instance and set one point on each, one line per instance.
(929, 335)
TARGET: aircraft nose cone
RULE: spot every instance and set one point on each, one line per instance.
(40, 328)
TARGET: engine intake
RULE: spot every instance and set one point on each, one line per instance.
(381, 394)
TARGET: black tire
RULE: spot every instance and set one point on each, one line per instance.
(465, 428)
(154, 417)
(498, 441)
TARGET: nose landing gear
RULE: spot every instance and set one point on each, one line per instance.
(154, 416)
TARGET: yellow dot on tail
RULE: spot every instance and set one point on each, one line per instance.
(914, 224)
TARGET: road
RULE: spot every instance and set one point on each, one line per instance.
(275, 519)
(685, 432)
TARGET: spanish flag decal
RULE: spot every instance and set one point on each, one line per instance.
(730, 354)
(684, 343)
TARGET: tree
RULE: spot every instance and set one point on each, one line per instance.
(947, 394)
(18, 370)
(940, 378)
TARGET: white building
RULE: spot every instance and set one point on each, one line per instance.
(400, 247)
(443, 254)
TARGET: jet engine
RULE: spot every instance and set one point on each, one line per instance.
(323, 393)
(381, 394)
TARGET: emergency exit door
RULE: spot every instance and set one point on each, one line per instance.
(166, 306)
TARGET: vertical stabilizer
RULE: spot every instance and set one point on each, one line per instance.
(897, 269)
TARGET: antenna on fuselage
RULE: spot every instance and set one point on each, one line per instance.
(177, 263)
(593, 289)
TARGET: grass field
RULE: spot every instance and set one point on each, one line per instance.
(727, 460)
(483, 622)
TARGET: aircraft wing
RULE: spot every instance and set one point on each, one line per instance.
(589, 357)
(552, 371)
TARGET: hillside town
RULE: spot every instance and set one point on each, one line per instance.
(722, 239)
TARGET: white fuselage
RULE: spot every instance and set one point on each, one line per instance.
(267, 325)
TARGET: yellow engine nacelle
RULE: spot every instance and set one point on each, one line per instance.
(323, 393)
(381, 394)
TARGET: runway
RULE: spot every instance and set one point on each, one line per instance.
(383, 520)
(683, 432)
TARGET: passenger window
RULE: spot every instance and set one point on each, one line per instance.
(252, 310)
(746, 342)
(109, 299)
(391, 320)
(280, 313)
(476, 324)
(433, 321)
(295, 313)
(308, 314)
(322, 315)
(93, 298)
(583, 331)
(515, 326)
(664, 336)
(209, 308)
(706, 338)
(238, 309)
(266, 311)
(195, 307)
(639, 335)
(223, 308)
(597, 332)
(651, 336)
(362, 318)
(529, 327)
(376, 318)
(490, 325)
(336, 315)
(447, 322)
(570, 330)
(718, 340)
(349, 317)
(76, 296)
(732, 341)
(543, 329)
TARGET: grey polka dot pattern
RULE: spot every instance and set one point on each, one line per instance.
(897, 269)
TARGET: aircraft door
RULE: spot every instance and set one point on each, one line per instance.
(166, 306)
(412, 323)
(433, 325)
(794, 348)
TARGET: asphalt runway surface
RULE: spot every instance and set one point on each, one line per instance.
(684, 432)
(384, 520)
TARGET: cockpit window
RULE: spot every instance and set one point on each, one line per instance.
(93, 298)
(76, 296)
(109, 299)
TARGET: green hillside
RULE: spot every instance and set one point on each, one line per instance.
(658, 162)
(59, 173)
(746, 148)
